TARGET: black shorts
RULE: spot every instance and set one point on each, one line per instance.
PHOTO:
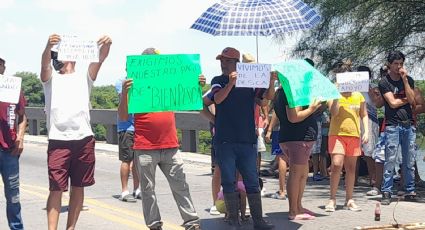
(125, 146)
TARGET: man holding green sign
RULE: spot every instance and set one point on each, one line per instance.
(159, 84)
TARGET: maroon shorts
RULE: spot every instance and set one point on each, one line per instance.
(298, 151)
(71, 159)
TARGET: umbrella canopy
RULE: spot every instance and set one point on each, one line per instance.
(256, 18)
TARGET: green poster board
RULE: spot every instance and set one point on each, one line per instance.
(164, 83)
(302, 83)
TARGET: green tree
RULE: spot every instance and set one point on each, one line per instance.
(104, 97)
(365, 30)
(32, 88)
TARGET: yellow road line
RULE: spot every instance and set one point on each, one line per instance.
(92, 202)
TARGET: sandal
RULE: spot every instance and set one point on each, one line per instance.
(331, 206)
(309, 212)
(303, 216)
(277, 196)
(352, 206)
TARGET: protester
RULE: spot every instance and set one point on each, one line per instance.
(221, 206)
(156, 144)
(297, 144)
(71, 142)
(13, 123)
(373, 101)
(344, 140)
(397, 89)
(209, 113)
(125, 131)
(235, 138)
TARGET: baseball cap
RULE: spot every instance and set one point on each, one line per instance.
(229, 52)
(150, 50)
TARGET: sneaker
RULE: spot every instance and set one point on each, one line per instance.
(373, 192)
(128, 198)
(213, 211)
(386, 198)
(411, 197)
(137, 195)
(85, 208)
(317, 177)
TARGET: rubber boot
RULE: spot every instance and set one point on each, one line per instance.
(232, 202)
(255, 205)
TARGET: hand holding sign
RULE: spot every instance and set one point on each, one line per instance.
(10, 88)
(253, 75)
(353, 82)
(73, 48)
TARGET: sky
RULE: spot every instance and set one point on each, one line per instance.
(132, 25)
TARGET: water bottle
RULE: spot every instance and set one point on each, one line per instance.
(378, 211)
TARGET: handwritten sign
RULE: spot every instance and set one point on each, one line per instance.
(302, 83)
(10, 88)
(353, 82)
(73, 48)
(253, 75)
(164, 83)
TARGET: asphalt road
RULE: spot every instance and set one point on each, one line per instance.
(106, 212)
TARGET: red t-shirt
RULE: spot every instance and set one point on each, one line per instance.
(8, 116)
(155, 131)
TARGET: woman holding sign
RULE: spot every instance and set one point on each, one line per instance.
(297, 134)
(344, 140)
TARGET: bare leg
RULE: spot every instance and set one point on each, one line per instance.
(76, 200)
(350, 170)
(282, 174)
(136, 184)
(302, 183)
(216, 183)
(322, 166)
(315, 160)
(124, 173)
(336, 167)
(54, 203)
(296, 173)
(371, 169)
(379, 171)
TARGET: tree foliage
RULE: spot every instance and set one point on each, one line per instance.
(365, 30)
(104, 97)
(32, 88)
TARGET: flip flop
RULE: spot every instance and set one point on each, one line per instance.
(277, 196)
(309, 212)
(303, 216)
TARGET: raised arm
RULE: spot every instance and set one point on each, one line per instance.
(297, 114)
(410, 94)
(365, 121)
(94, 67)
(222, 93)
(123, 106)
(46, 58)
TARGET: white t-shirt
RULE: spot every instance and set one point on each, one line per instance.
(67, 101)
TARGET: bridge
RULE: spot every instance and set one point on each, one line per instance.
(190, 123)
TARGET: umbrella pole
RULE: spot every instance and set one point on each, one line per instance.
(256, 43)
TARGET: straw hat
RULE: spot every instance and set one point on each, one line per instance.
(248, 58)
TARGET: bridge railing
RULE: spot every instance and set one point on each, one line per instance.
(190, 123)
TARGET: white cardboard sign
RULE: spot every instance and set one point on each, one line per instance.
(253, 75)
(10, 88)
(73, 48)
(353, 82)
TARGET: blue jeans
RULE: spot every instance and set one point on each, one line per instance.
(243, 157)
(9, 169)
(400, 137)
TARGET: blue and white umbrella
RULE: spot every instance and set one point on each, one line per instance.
(256, 18)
